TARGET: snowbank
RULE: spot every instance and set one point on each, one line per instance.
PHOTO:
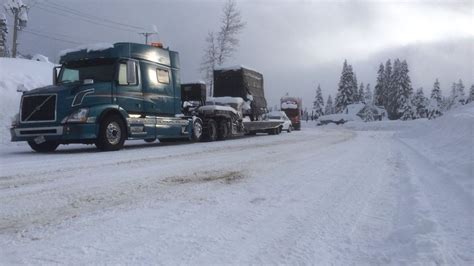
(448, 142)
(14, 74)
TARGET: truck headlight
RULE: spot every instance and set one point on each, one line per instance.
(16, 120)
(79, 116)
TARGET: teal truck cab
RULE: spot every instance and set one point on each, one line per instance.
(105, 95)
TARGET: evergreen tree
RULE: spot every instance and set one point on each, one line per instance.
(436, 93)
(392, 90)
(346, 89)
(329, 108)
(461, 94)
(388, 84)
(420, 103)
(404, 93)
(361, 94)
(379, 87)
(3, 36)
(436, 101)
(368, 94)
(471, 95)
(318, 103)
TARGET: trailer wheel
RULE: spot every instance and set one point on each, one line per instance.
(211, 130)
(197, 130)
(112, 134)
(48, 146)
(223, 131)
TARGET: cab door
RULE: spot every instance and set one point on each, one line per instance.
(159, 98)
(128, 93)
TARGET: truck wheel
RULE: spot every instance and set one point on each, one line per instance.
(289, 129)
(211, 130)
(48, 146)
(196, 136)
(111, 134)
(150, 140)
(223, 131)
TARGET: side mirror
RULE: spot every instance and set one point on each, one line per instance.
(56, 75)
(131, 72)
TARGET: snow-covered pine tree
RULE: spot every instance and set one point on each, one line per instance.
(420, 103)
(379, 87)
(388, 81)
(368, 94)
(346, 89)
(3, 36)
(405, 92)
(354, 84)
(435, 102)
(361, 94)
(471, 95)
(461, 94)
(436, 93)
(329, 107)
(392, 89)
(318, 103)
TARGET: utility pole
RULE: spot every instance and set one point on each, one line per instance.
(146, 34)
(15, 31)
(19, 12)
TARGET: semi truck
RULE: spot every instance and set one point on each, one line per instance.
(106, 95)
(292, 107)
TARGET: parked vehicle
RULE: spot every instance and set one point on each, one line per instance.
(292, 107)
(105, 95)
(281, 116)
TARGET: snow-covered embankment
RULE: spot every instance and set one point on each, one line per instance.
(18, 74)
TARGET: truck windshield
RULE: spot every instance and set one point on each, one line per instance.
(98, 70)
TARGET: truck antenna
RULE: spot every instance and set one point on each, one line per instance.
(146, 34)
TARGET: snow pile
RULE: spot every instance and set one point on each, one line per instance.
(88, 48)
(225, 100)
(18, 74)
(41, 58)
(447, 142)
(212, 108)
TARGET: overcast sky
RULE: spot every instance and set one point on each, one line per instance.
(295, 44)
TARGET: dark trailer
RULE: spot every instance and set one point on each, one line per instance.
(242, 82)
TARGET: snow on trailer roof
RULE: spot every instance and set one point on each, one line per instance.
(234, 68)
(289, 106)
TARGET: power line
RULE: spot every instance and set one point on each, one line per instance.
(84, 19)
(83, 14)
(40, 31)
(51, 37)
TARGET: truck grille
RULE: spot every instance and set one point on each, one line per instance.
(38, 108)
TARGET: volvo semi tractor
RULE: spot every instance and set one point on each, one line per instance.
(106, 95)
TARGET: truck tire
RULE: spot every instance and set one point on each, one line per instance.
(198, 131)
(289, 129)
(210, 131)
(48, 146)
(223, 130)
(112, 134)
(150, 140)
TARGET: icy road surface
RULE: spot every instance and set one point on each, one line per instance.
(317, 196)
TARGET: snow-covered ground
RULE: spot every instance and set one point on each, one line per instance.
(385, 192)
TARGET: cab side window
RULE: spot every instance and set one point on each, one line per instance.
(122, 74)
(163, 76)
